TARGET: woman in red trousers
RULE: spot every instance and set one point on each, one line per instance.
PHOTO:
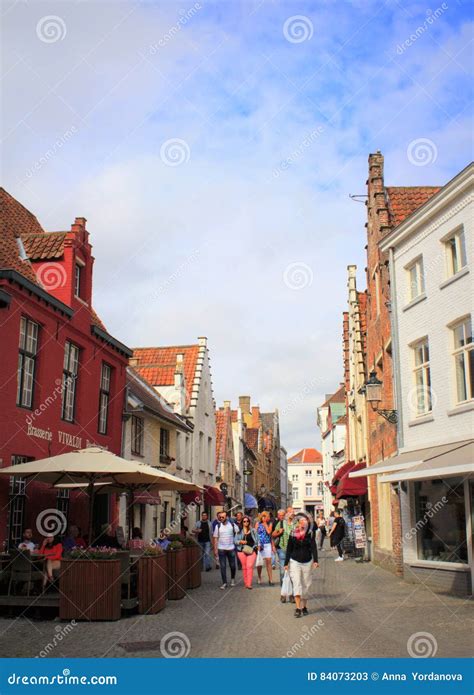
(246, 543)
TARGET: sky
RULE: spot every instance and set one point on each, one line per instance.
(213, 148)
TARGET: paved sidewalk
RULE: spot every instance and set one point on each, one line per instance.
(357, 610)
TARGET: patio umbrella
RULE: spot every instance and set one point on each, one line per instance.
(93, 466)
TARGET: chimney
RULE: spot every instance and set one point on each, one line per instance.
(179, 370)
(255, 415)
(79, 224)
(226, 405)
(244, 404)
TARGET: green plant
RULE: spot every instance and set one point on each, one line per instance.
(152, 551)
(189, 543)
(175, 545)
(101, 553)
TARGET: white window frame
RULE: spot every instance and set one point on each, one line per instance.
(70, 374)
(463, 351)
(308, 473)
(295, 493)
(456, 256)
(416, 286)
(422, 371)
(308, 489)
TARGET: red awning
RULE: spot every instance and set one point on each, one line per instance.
(352, 487)
(145, 497)
(213, 497)
(191, 497)
(342, 471)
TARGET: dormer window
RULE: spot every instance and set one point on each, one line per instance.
(77, 280)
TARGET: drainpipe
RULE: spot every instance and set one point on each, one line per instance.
(395, 348)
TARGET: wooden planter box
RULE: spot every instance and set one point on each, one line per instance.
(193, 564)
(176, 569)
(152, 584)
(90, 590)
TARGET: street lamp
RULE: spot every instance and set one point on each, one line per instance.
(373, 395)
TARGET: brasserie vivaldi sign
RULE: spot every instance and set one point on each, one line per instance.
(62, 437)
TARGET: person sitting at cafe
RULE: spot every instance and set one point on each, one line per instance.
(27, 543)
(136, 542)
(73, 539)
(163, 541)
(52, 551)
(106, 538)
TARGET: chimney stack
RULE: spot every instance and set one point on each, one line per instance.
(244, 404)
(226, 405)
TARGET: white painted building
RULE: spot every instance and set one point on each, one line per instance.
(331, 420)
(305, 473)
(432, 267)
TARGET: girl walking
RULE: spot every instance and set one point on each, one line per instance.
(301, 557)
(246, 543)
(265, 546)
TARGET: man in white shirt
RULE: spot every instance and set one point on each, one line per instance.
(27, 543)
(224, 547)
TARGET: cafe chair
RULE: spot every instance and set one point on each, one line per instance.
(23, 570)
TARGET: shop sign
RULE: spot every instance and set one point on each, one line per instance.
(360, 538)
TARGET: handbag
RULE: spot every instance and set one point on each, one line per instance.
(247, 550)
(259, 562)
(286, 586)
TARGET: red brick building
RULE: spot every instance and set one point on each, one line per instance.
(386, 208)
(62, 376)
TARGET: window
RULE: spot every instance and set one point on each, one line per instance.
(294, 477)
(455, 246)
(376, 279)
(441, 520)
(62, 505)
(77, 280)
(28, 349)
(104, 397)
(422, 377)
(320, 489)
(308, 473)
(295, 493)
(309, 490)
(416, 279)
(164, 442)
(464, 360)
(70, 370)
(16, 506)
(137, 435)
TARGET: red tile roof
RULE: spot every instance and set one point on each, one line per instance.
(153, 401)
(306, 456)
(404, 200)
(18, 222)
(337, 397)
(158, 364)
(42, 247)
(251, 438)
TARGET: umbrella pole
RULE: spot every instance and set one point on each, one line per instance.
(91, 492)
(130, 512)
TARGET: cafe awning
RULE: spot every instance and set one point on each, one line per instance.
(145, 497)
(191, 497)
(250, 501)
(213, 497)
(404, 460)
(442, 463)
(340, 473)
(347, 487)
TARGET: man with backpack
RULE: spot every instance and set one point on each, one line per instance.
(224, 547)
(203, 532)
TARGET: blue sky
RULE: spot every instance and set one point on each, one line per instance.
(213, 146)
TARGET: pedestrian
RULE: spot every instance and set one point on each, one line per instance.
(265, 546)
(278, 528)
(301, 557)
(52, 551)
(321, 525)
(288, 525)
(337, 533)
(136, 542)
(203, 532)
(246, 544)
(27, 542)
(238, 522)
(224, 547)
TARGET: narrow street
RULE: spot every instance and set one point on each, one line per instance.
(357, 610)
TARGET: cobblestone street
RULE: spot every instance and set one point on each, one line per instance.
(357, 610)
